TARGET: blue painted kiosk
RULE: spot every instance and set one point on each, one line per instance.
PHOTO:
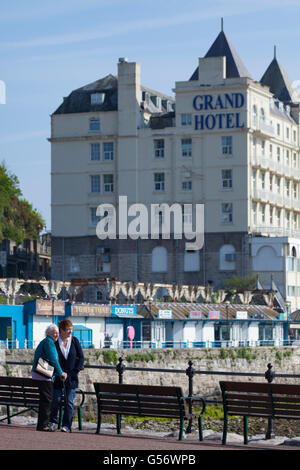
(12, 327)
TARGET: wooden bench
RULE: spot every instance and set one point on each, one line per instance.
(265, 400)
(24, 393)
(145, 401)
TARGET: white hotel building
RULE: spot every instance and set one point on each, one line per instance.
(225, 140)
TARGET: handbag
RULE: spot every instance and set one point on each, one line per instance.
(44, 368)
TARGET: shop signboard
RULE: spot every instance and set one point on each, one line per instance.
(165, 314)
(241, 315)
(214, 315)
(123, 310)
(82, 310)
(195, 315)
(50, 307)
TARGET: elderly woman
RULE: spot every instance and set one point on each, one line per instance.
(47, 351)
(71, 359)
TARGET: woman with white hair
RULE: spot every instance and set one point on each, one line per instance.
(47, 351)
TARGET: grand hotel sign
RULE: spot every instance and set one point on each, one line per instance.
(220, 111)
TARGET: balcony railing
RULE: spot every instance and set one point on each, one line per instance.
(262, 127)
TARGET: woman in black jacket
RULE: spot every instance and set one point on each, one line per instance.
(71, 360)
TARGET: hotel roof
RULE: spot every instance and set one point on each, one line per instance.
(234, 65)
(278, 82)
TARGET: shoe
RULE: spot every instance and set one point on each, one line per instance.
(46, 429)
(52, 427)
(65, 429)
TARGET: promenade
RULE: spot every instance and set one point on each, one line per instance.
(24, 437)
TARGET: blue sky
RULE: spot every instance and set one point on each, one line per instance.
(49, 48)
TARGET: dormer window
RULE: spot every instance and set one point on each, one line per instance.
(97, 98)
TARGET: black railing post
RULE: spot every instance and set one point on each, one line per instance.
(120, 367)
(269, 375)
(190, 371)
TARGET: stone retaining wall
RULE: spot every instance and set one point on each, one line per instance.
(245, 360)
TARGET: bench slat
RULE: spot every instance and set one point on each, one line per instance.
(143, 389)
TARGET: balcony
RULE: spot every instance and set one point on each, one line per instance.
(266, 163)
(262, 128)
(276, 231)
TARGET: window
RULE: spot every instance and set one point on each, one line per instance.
(227, 258)
(278, 217)
(226, 209)
(271, 215)
(287, 133)
(74, 265)
(159, 181)
(287, 189)
(278, 184)
(294, 160)
(186, 185)
(254, 179)
(278, 129)
(97, 98)
(191, 261)
(95, 152)
(263, 145)
(254, 115)
(271, 183)
(94, 219)
(262, 115)
(287, 220)
(295, 221)
(94, 124)
(108, 151)
(186, 119)
(227, 145)
(95, 183)
(295, 136)
(262, 179)
(278, 154)
(271, 151)
(187, 215)
(186, 147)
(291, 291)
(159, 260)
(103, 260)
(295, 190)
(265, 332)
(254, 213)
(108, 181)
(263, 213)
(159, 148)
(226, 179)
(287, 158)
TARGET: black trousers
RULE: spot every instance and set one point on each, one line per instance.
(46, 395)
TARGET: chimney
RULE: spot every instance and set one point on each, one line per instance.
(129, 96)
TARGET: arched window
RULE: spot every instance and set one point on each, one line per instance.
(159, 260)
(191, 261)
(227, 260)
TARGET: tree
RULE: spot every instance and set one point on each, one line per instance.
(239, 284)
(18, 219)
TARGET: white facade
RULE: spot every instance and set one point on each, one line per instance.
(232, 145)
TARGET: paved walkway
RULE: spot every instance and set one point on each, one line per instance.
(16, 437)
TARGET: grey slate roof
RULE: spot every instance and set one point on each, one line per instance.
(79, 101)
(278, 82)
(234, 65)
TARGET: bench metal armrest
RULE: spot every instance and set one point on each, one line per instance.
(78, 390)
(197, 398)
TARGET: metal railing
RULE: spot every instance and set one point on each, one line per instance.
(29, 344)
(190, 372)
